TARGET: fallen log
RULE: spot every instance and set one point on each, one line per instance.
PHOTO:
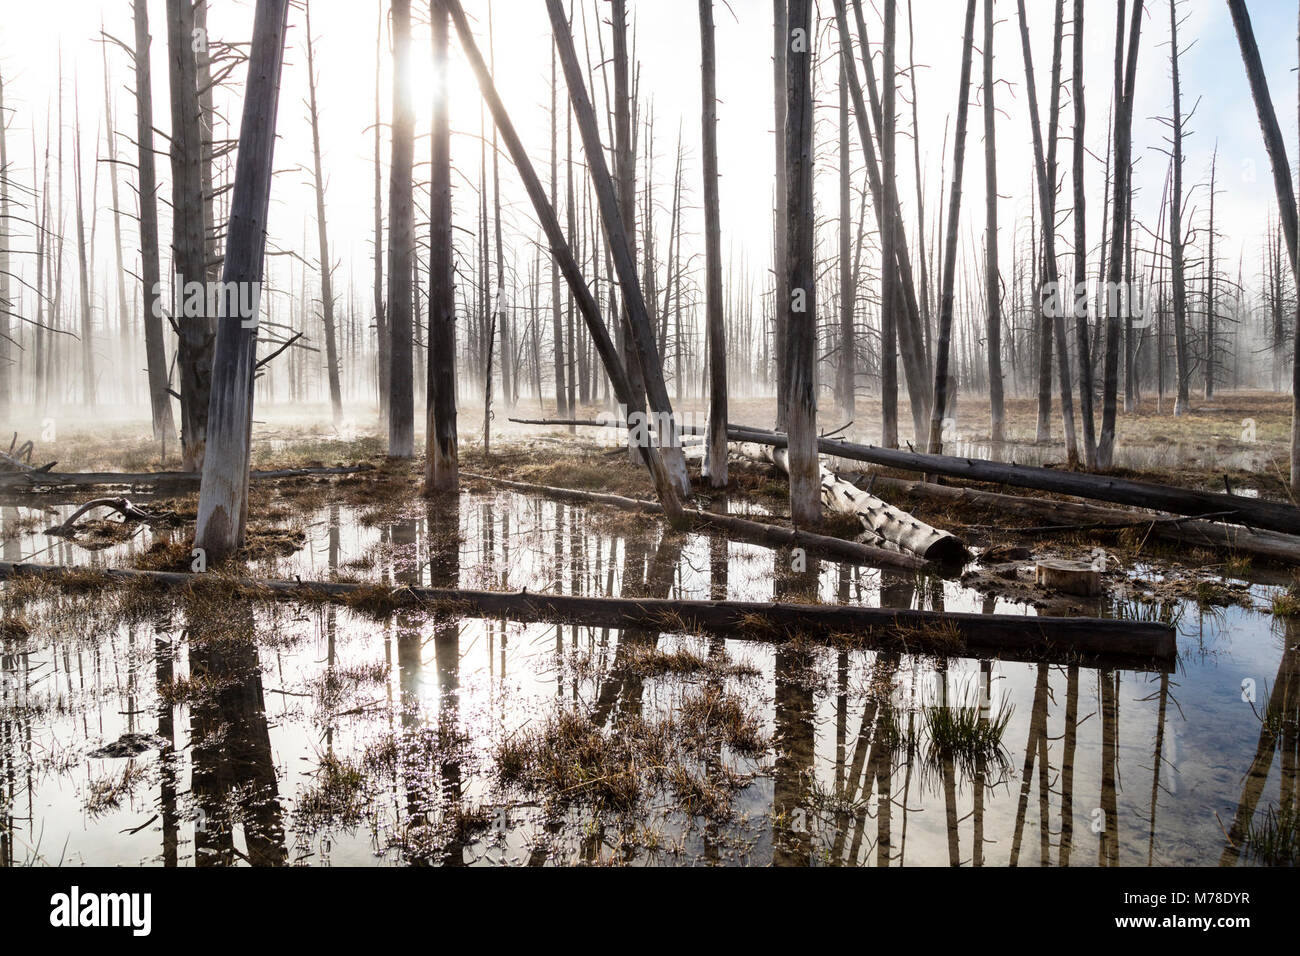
(1268, 545)
(879, 518)
(92, 479)
(767, 534)
(122, 506)
(1254, 513)
(1135, 643)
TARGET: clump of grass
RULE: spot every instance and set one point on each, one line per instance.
(14, 626)
(107, 792)
(181, 690)
(570, 758)
(1275, 840)
(1287, 604)
(334, 686)
(967, 737)
(340, 793)
(1237, 567)
(652, 661)
(712, 713)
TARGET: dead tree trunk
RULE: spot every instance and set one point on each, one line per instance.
(941, 375)
(801, 345)
(557, 327)
(665, 486)
(125, 334)
(6, 304)
(1181, 355)
(992, 274)
(381, 313)
(401, 244)
(1125, 78)
(193, 325)
(780, 217)
(326, 269)
(715, 442)
(87, 320)
(620, 248)
(1079, 296)
(847, 379)
(441, 467)
(223, 494)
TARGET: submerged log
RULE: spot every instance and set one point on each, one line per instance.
(1255, 513)
(1135, 643)
(767, 534)
(91, 479)
(879, 518)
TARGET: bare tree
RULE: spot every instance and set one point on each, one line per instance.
(992, 274)
(942, 383)
(441, 468)
(1181, 354)
(1079, 298)
(1125, 78)
(223, 494)
(715, 441)
(326, 267)
(401, 244)
(780, 217)
(801, 328)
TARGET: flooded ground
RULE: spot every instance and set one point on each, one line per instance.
(142, 729)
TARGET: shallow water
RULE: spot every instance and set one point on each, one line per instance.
(1098, 767)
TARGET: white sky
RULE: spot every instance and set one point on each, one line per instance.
(32, 35)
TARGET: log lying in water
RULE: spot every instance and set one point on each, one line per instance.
(1268, 545)
(1231, 509)
(92, 479)
(767, 534)
(1139, 644)
(880, 518)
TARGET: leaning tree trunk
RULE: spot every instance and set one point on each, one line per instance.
(401, 245)
(326, 279)
(801, 327)
(715, 441)
(441, 468)
(223, 494)
(942, 384)
(621, 251)
(189, 241)
(1125, 78)
(665, 484)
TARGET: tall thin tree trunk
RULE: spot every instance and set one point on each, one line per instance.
(1079, 295)
(801, 414)
(715, 441)
(326, 270)
(557, 329)
(992, 275)
(189, 240)
(382, 337)
(780, 217)
(223, 494)
(942, 383)
(848, 345)
(1125, 78)
(1181, 356)
(441, 467)
(401, 244)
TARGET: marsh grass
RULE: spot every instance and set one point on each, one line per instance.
(107, 792)
(1275, 839)
(967, 736)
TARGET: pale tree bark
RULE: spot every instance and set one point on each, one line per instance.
(847, 383)
(83, 269)
(223, 493)
(780, 218)
(1125, 78)
(6, 303)
(1177, 267)
(401, 244)
(942, 383)
(557, 328)
(889, 231)
(715, 441)
(1079, 297)
(621, 250)
(441, 467)
(189, 239)
(992, 274)
(125, 334)
(801, 355)
(665, 485)
(381, 312)
(1045, 176)
(322, 235)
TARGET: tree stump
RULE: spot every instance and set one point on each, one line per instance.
(1070, 577)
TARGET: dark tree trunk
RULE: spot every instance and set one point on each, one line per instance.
(715, 441)
(401, 245)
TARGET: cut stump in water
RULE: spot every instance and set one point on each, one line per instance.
(1070, 577)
